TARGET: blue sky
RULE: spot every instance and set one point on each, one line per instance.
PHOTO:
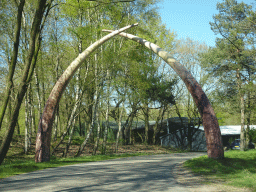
(190, 18)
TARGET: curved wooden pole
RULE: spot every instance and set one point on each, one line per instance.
(210, 122)
(43, 138)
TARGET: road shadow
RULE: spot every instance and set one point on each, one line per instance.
(144, 173)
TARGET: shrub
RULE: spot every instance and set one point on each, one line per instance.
(252, 135)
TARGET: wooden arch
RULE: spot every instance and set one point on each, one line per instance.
(210, 123)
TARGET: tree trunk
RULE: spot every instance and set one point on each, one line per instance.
(56, 123)
(69, 125)
(18, 128)
(249, 110)
(43, 139)
(146, 116)
(119, 129)
(95, 110)
(97, 88)
(72, 118)
(15, 51)
(98, 135)
(9, 107)
(210, 122)
(128, 129)
(26, 125)
(248, 120)
(160, 117)
(30, 107)
(38, 94)
(104, 145)
(241, 97)
(33, 119)
(69, 139)
(181, 137)
(242, 134)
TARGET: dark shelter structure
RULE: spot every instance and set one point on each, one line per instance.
(181, 131)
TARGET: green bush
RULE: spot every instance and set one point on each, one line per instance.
(252, 135)
(78, 140)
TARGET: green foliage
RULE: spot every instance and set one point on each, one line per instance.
(252, 135)
(77, 140)
(237, 169)
(231, 63)
(111, 136)
(161, 91)
(228, 55)
(227, 117)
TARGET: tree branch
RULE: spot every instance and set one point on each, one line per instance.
(225, 36)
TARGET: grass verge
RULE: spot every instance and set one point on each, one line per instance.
(12, 167)
(237, 169)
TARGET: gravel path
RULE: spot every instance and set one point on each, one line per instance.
(143, 173)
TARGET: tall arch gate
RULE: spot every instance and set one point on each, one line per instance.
(210, 122)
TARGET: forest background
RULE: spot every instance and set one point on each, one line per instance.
(121, 81)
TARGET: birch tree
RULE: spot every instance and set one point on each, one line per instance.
(95, 111)
(119, 121)
(104, 144)
(13, 60)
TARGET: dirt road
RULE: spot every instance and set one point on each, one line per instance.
(142, 173)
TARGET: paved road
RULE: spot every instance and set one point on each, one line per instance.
(143, 173)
